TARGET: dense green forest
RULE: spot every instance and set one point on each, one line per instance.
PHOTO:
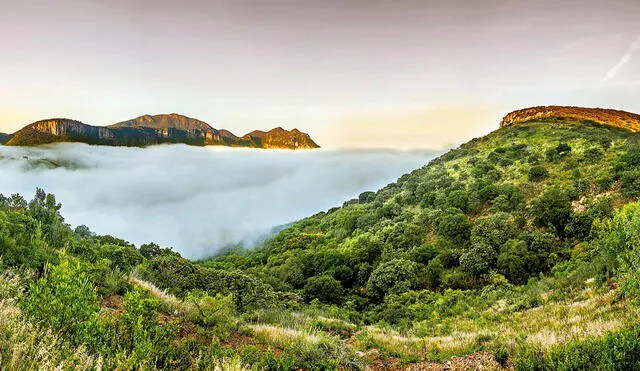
(520, 249)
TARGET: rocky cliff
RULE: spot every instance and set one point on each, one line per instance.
(149, 130)
(280, 138)
(621, 119)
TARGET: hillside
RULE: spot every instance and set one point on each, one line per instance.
(4, 138)
(516, 250)
(149, 130)
(621, 119)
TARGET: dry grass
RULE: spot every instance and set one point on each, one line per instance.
(169, 300)
(281, 337)
(553, 323)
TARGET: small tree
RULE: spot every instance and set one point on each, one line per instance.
(393, 277)
(538, 173)
(479, 259)
(65, 300)
(553, 209)
(325, 288)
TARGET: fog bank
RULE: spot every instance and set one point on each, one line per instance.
(196, 199)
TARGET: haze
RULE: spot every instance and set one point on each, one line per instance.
(195, 199)
(408, 73)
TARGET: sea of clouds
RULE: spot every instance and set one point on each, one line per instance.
(197, 199)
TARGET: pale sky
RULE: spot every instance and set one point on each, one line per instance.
(352, 73)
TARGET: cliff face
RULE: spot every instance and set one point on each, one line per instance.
(60, 130)
(621, 119)
(149, 130)
(280, 138)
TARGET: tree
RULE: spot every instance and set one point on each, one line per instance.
(458, 199)
(395, 276)
(151, 250)
(454, 226)
(538, 173)
(44, 208)
(479, 259)
(65, 300)
(493, 230)
(403, 236)
(515, 261)
(324, 288)
(553, 209)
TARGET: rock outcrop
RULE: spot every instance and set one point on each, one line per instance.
(149, 130)
(280, 138)
(621, 119)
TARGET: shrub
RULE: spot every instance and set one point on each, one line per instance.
(553, 209)
(617, 350)
(478, 259)
(325, 288)
(538, 173)
(395, 276)
(454, 226)
(65, 300)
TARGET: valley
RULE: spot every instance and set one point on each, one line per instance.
(516, 250)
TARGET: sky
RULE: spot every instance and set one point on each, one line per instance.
(352, 73)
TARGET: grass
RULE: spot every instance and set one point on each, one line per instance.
(591, 313)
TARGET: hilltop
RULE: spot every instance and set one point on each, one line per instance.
(621, 119)
(518, 249)
(149, 130)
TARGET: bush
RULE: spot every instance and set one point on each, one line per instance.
(620, 242)
(553, 209)
(395, 276)
(617, 350)
(501, 355)
(558, 152)
(454, 226)
(478, 259)
(65, 300)
(538, 173)
(325, 288)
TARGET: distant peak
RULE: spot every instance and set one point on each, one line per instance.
(153, 129)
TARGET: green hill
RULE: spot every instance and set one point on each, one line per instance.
(518, 250)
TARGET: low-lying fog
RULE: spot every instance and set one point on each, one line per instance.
(192, 198)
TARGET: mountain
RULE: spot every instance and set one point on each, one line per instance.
(622, 119)
(280, 138)
(4, 138)
(149, 130)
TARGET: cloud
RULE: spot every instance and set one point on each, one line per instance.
(192, 198)
(635, 46)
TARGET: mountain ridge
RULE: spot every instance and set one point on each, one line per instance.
(151, 130)
(603, 116)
